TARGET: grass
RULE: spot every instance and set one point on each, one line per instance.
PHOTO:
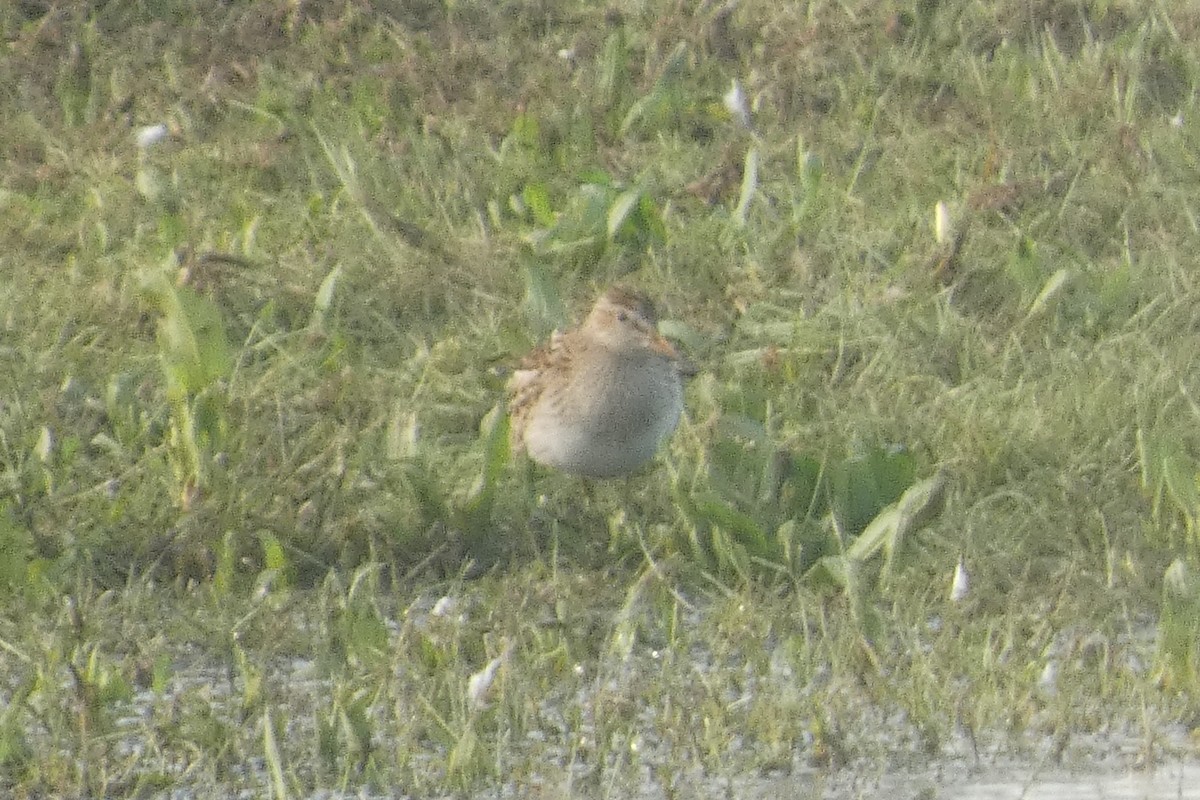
(259, 525)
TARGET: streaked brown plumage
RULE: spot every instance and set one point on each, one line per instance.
(598, 400)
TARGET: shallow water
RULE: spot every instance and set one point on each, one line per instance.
(1176, 781)
(544, 762)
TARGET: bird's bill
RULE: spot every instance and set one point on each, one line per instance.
(663, 346)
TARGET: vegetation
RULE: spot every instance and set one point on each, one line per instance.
(266, 264)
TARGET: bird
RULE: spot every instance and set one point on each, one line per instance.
(600, 399)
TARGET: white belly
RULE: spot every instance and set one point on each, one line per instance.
(613, 431)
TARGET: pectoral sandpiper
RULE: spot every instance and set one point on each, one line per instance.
(599, 400)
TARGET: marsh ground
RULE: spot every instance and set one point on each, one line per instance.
(265, 265)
